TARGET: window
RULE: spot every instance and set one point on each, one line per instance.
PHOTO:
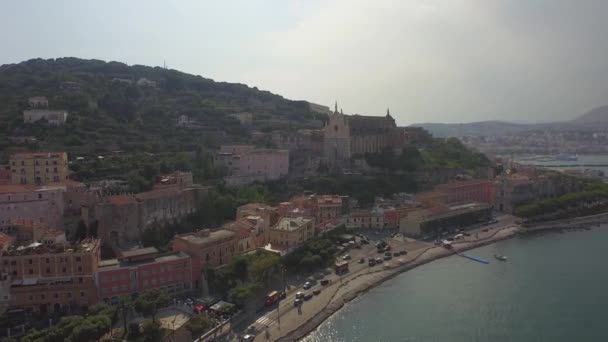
(31, 297)
(69, 294)
(56, 296)
(48, 270)
(48, 260)
(31, 271)
(81, 293)
(63, 269)
(79, 268)
(80, 280)
(39, 196)
(30, 261)
(78, 259)
(42, 296)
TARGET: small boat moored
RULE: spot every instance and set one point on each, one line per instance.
(500, 257)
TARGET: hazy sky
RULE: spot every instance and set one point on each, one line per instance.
(428, 60)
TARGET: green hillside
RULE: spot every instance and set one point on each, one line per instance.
(108, 110)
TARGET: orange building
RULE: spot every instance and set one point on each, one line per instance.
(479, 191)
(56, 277)
(207, 248)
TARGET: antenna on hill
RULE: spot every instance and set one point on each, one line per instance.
(164, 64)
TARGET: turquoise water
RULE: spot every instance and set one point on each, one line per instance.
(553, 288)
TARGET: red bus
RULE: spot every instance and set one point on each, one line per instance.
(272, 298)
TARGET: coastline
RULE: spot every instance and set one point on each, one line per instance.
(338, 301)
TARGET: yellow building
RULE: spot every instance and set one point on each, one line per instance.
(38, 168)
(291, 232)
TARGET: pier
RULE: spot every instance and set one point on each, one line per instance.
(473, 258)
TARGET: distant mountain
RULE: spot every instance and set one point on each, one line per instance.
(596, 115)
(473, 128)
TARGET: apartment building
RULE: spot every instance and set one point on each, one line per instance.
(44, 205)
(207, 249)
(143, 269)
(246, 164)
(52, 277)
(38, 168)
(291, 232)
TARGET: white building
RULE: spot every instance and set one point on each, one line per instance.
(53, 117)
(246, 164)
(38, 102)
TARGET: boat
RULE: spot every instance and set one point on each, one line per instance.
(500, 257)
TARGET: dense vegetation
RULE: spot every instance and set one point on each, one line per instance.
(245, 277)
(99, 320)
(439, 153)
(108, 110)
(589, 201)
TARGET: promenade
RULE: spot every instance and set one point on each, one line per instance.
(289, 323)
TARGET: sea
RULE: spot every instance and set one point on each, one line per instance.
(553, 287)
(596, 162)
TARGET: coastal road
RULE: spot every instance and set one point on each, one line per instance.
(288, 317)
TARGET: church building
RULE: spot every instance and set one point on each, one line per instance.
(348, 136)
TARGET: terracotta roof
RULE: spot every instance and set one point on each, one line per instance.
(67, 182)
(36, 154)
(214, 236)
(457, 184)
(157, 193)
(5, 239)
(121, 199)
(139, 252)
(13, 188)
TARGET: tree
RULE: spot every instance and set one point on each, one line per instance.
(134, 331)
(125, 305)
(199, 324)
(262, 265)
(239, 266)
(241, 294)
(149, 302)
(152, 332)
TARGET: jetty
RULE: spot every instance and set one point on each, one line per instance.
(473, 258)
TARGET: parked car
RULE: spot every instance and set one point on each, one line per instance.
(346, 257)
(307, 285)
(387, 254)
(316, 292)
(396, 254)
(297, 302)
(404, 252)
(361, 260)
(387, 257)
(247, 338)
(307, 296)
(371, 262)
(325, 282)
(299, 295)
(319, 276)
(379, 260)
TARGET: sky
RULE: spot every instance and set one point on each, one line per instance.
(426, 60)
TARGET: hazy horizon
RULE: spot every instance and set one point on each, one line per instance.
(428, 61)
